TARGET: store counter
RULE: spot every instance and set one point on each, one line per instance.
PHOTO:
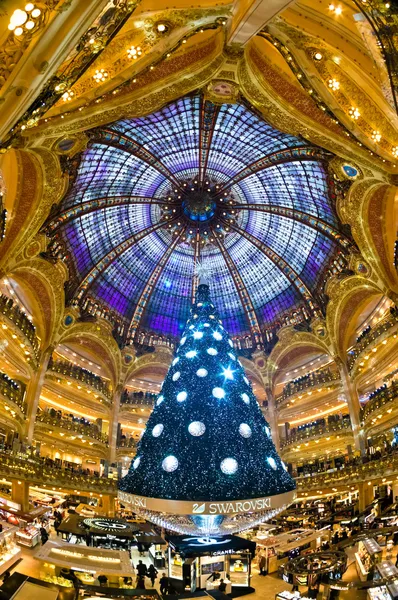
(89, 560)
(290, 596)
(19, 587)
(368, 555)
(29, 536)
(278, 548)
(9, 551)
(213, 585)
(379, 593)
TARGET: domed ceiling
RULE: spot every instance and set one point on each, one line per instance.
(195, 181)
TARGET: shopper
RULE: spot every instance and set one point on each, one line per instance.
(141, 569)
(262, 564)
(43, 535)
(214, 576)
(103, 580)
(152, 574)
(222, 587)
(6, 575)
(164, 584)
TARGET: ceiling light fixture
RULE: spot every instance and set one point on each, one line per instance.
(134, 52)
(100, 75)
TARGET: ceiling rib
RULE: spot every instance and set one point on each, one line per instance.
(302, 217)
(207, 119)
(282, 265)
(98, 204)
(122, 142)
(111, 256)
(297, 154)
(153, 279)
(243, 294)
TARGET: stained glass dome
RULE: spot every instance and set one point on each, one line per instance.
(151, 196)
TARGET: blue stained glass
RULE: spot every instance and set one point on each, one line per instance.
(120, 190)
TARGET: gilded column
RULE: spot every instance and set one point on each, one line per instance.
(354, 407)
(33, 392)
(273, 418)
(113, 423)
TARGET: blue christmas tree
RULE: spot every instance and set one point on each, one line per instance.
(206, 438)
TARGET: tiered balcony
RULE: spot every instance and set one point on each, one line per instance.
(15, 318)
(342, 426)
(380, 398)
(137, 399)
(14, 391)
(318, 379)
(386, 466)
(65, 424)
(95, 382)
(378, 333)
(36, 471)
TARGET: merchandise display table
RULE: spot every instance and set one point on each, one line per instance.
(82, 558)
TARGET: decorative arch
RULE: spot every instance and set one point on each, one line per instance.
(291, 345)
(96, 337)
(371, 209)
(44, 283)
(348, 297)
(33, 182)
(160, 359)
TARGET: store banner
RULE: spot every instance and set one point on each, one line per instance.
(222, 507)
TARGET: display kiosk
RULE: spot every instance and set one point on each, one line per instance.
(201, 563)
(368, 556)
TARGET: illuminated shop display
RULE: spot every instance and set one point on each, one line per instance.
(196, 560)
(152, 194)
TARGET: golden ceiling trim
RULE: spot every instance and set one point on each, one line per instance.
(263, 92)
(139, 103)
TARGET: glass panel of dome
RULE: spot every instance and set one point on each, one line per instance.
(320, 252)
(172, 139)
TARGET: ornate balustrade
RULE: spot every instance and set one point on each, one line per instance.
(13, 390)
(383, 396)
(83, 375)
(36, 471)
(384, 326)
(11, 311)
(384, 467)
(316, 379)
(341, 426)
(138, 399)
(87, 430)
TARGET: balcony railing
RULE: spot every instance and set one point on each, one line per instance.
(19, 318)
(302, 435)
(87, 430)
(83, 375)
(384, 467)
(128, 443)
(13, 390)
(379, 399)
(138, 399)
(37, 471)
(316, 379)
(371, 336)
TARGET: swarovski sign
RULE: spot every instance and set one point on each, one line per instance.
(228, 507)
